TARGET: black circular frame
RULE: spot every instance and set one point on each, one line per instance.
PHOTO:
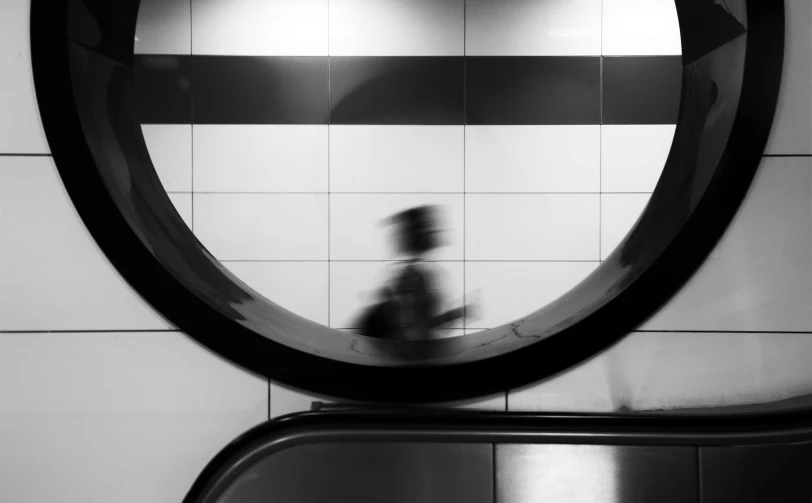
(82, 53)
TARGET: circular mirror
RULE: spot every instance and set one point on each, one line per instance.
(251, 170)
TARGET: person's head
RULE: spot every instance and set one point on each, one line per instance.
(417, 230)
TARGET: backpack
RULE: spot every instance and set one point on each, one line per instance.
(383, 319)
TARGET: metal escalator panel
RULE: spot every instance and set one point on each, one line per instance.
(528, 473)
(368, 473)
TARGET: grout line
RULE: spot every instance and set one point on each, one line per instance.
(464, 159)
(95, 331)
(464, 193)
(387, 261)
(329, 156)
(25, 155)
(786, 155)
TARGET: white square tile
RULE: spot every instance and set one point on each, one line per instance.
(508, 291)
(533, 27)
(641, 27)
(396, 158)
(170, 148)
(159, 402)
(758, 278)
(54, 276)
(20, 125)
(633, 156)
(355, 286)
(792, 126)
(532, 158)
(358, 228)
(164, 27)
(266, 28)
(397, 28)
(531, 227)
(619, 213)
(300, 287)
(583, 388)
(183, 204)
(260, 158)
(262, 226)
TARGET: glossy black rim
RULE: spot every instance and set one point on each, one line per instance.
(82, 54)
(456, 426)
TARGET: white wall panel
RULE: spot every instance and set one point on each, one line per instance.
(260, 158)
(507, 291)
(652, 371)
(396, 28)
(260, 28)
(531, 227)
(164, 27)
(183, 203)
(20, 125)
(355, 285)
(262, 226)
(396, 158)
(633, 156)
(115, 417)
(300, 287)
(533, 27)
(53, 275)
(792, 127)
(532, 158)
(170, 148)
(286, 400)
(641, 27)
(619, 212)
(759, 276)
(358, 230)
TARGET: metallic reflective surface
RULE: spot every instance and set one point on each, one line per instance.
(729, 88)
(369, 473)
(551, 458)
(527, 473)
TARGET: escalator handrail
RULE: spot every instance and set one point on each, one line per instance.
(416, 424)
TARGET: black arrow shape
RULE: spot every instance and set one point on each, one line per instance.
(706, 25)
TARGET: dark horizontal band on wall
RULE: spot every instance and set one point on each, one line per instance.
(545, 90)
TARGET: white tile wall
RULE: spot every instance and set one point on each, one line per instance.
(183, 203)
(262, 226)
(267, 28)
(619, 212)
(396, 28)
(20, 125)
(531, 226)
(53, 275)
(532, 158)
(396, 158)
(507, 291)
(759, 276)
(792, 127)
(164, 27)
(170, 148)
(300, 287)
(641, 27)
(99, 417)
(358, 230)
(286, 400)
(533, 27)
(260, 158)
(625, 166)
(355, 285)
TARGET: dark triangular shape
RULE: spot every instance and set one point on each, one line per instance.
(705, 26)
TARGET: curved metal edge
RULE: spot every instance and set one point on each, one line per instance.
(256, 353)
(409, 425)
